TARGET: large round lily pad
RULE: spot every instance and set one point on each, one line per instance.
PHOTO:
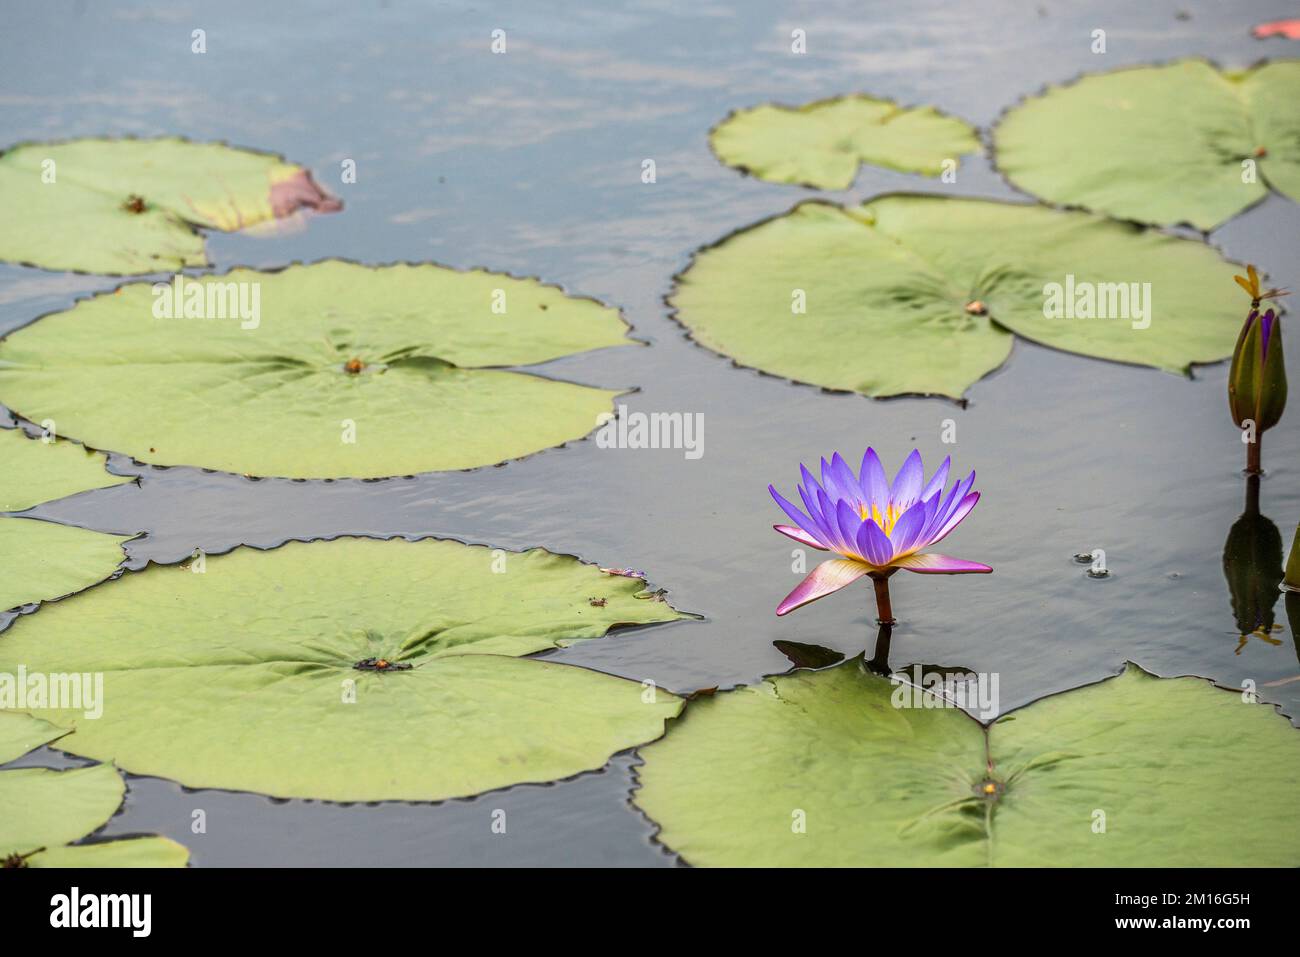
(921, 294)
(351, 670)
(40, 561)
(1179, 143)
(44, 810)
(126, 206)
(821, 144)
(824, 768)
(347, 370)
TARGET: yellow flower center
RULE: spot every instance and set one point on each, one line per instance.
(886, 520)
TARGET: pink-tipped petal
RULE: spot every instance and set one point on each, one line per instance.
(829, 576)
(929, 563)
(799, 535)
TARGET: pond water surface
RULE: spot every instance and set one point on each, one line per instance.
(530, 162)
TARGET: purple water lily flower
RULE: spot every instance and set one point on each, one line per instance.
(876, 526)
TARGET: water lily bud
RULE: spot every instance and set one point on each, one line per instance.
(1291, 581)
(1257, 379)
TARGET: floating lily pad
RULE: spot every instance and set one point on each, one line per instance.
(821, 144)
(40, 561)
(821, 768)
(920, 294)
(348, 370)
(129, 206)
(1159, 144)
(350, 670)
(44, 810)
(34, 471)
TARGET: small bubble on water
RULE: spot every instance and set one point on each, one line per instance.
(1083, 558)
(1098, 573)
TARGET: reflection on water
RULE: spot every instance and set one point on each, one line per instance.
(1252, 563)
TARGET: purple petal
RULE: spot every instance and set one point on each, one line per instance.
(936, 482)
(958, 514)
(1265, 331)
(796, 516)
(815, 513)
(872, 480)
(838, 479)
(829, 576)
(907, 530)
(907, 483)
(800, 536)
(949, 505)
(849, 521)
(874, 545)
(832, 525)
(928, 563)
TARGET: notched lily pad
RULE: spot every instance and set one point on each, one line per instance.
(129, 206)
(921, 294)
(46, 810)
(33, 471)
(262, 674)
(341, 370)
(41, 561)
(821, 144)
(1184, 142)
(839, 767)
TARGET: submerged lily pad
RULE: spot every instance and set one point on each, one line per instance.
(346, 370)
(920, 294)
(286, 672)
(126, 206)
(40, 561)
(44, 810)
(824, 768)
(821, 144)
(1180, 143)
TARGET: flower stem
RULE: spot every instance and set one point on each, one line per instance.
(884, 611)
(1253, 456)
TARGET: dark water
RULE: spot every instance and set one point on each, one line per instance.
(530, 162)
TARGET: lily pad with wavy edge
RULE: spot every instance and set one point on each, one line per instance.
(920, 294)
(244, 677)
(1132, 771)
(40, 561)
(821, 144)
(33, 471)
(1159, 144)
(128, 206)
(49, 809)
(282, 396)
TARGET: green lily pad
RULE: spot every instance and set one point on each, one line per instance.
(128, 206)
(33, 471)
(350, 670)
(821, 144)
(41, 561)
(20, 733)
(1159, 144)
(1132, 771)
(283, 396)
(45, 810)
(921, 294)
